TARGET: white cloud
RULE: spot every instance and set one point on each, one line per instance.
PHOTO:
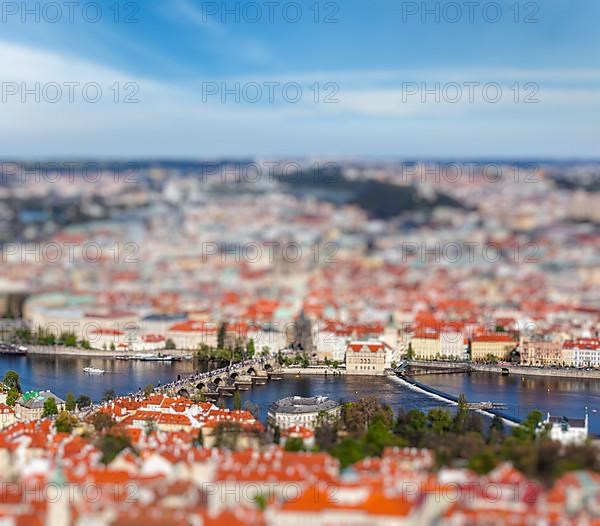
(373, 116)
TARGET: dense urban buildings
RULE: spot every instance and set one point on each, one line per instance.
(490, 274)
(155, 458)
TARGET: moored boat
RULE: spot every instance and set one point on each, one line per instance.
(93, 370)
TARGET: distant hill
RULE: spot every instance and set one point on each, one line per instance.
(379, 199)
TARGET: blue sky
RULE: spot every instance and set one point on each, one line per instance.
(368, 60)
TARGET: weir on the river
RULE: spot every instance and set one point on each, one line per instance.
(434, 393)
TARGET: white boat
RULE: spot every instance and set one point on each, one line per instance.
(157, 358)
(93, 370)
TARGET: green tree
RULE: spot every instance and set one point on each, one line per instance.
(357, 416)
(440, 421)
(462, 446)
(68, 339)
(227, 434)
(348, 451)
(221, 335)
(12, 396)
(24, 335)
(326, 434)
(523, 454)
(474, 422)
(462, 414)
(102, 421)
(11, 379)
(150, 426)
(379, 436)
(65, 422)
(549, 460)
(108, 395)
(496, 431)
(294, 444)
(260, 501)
(148, 390)
(70, 402)
(84, 401)
(170, 345)
(50, 408)
(237, 400)
(250, 349)
(484, 461)
(414, 427)
(111, 444)
(529, 428)
(203, 351)
(112, 346)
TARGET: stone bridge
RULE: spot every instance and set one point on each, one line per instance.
(223, 382)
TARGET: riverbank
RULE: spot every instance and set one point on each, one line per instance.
(52, 350)
(302, 371)
(523, 370)
(539, 371)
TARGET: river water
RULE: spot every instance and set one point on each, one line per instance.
(521, 394)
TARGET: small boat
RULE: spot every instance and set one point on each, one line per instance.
(15, 350)
(93, 370)
(157, 358)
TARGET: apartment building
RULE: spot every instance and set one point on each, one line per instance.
(30, 405)
(435, 345)
(542, 353)
(582, 352)
(495, 345)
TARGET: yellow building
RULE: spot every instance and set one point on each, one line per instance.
(445, 345)
(497, 345)
(426, 346)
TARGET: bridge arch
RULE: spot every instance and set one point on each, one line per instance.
(251, 371)
(200, 386)
(184, 393)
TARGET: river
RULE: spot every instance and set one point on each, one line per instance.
(521, 394)
(61, 374)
